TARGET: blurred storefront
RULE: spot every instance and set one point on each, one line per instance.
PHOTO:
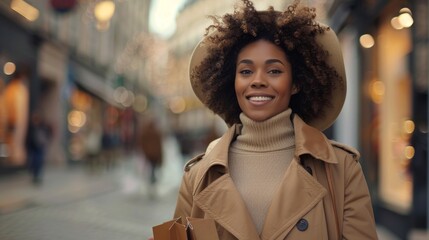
(85, 69)
(18, 55)
(387, 83)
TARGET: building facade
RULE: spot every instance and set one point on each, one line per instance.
(385, 47)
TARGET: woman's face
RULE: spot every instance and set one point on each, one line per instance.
(263, 80)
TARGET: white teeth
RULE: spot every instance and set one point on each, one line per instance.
(260, 98)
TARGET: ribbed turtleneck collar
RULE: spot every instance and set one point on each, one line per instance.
(273, 134)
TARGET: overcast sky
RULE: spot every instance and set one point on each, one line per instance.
(163, 15)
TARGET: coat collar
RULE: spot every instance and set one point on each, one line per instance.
(215, 198)
(308, 140)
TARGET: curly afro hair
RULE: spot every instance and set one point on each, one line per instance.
(294, 30)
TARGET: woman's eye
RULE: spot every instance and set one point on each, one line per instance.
(245, 72)
(275, 71)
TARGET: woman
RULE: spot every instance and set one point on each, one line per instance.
(278, 80)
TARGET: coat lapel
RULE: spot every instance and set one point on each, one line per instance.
(297, 195)
(309, 140)
(221, 201)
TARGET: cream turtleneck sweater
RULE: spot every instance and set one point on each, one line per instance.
(258, 160)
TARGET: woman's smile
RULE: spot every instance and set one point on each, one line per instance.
(260, 100)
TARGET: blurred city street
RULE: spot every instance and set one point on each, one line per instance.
(74, 203)
(96, 104)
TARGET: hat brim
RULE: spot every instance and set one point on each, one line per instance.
(328, 41)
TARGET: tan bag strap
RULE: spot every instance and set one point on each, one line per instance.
(332, 193)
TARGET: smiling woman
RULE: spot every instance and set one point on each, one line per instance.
(277, 79)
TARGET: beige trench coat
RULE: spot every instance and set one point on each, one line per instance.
(303, 207)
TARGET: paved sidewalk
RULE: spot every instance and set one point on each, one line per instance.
(81, 206)
(69, 183)
(74, 203)
(61, 184)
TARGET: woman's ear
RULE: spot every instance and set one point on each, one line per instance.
(295, 89)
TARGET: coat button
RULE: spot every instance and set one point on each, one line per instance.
(302, 225)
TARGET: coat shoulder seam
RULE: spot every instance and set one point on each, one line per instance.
(346, 149)
(193, 162)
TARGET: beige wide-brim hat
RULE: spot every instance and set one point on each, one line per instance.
(329, 41)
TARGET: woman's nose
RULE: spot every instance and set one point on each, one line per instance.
(258, 81)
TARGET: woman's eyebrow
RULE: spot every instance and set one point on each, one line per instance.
(245, 61)
(269, 61)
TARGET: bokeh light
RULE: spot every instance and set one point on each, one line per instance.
(9, 68)
(366, 41)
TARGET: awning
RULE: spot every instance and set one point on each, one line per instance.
(93, 83)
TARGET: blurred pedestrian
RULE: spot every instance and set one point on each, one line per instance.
(109, 147)
(16, 104)
(94, 146)
(39, 135)
(277, 79)
(151, 144)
